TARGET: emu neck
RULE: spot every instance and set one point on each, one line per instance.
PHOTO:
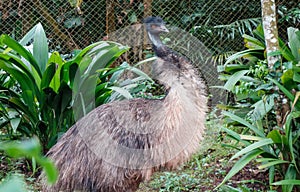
(155, 39)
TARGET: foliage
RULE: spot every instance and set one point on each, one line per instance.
(41, 93)
(264, 117)
(289, 15)
(30, 149)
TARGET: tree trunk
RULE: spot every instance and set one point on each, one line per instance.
(147, 8)
(110, 17)
(270, 30)
(282, 107)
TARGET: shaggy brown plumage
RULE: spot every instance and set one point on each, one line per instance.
(120, 144)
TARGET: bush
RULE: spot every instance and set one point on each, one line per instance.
(265, 114)
(42, 94)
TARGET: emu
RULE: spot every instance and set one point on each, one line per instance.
(120, 144)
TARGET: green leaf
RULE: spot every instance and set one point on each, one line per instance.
(287, 182)
(252, 147)
(290, 174)
(253, 43)
(244, 122)
(277, 137)
(240, 164)
(296, 77)
(241, 54)
(287, 77)
(230, 84)
(22, 78)
(48, 75)
(11, 43)
(271, 174)
(25, 148)
(28, 36)
(272, 163)
(285, 91)
(294, 42)
(55, 58)
(40, 47)
(49, 169)
(15, 123)
(122, 91)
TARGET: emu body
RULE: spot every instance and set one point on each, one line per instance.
(163, 132)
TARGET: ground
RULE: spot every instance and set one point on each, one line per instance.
(202, 173)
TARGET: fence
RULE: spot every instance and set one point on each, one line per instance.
(215, 26)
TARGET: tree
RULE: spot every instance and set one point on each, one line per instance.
(268, 8)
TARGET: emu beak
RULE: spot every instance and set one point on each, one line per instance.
(164, 29)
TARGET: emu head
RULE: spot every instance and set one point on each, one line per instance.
(155, 25)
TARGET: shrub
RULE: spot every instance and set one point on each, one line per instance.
(265, 114)
(42, 94)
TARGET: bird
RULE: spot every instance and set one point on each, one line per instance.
(120, 144)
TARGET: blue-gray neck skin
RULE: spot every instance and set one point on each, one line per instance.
(159, 48)
(155, 39)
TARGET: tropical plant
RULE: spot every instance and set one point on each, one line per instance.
(265, 115)
(41, 93)
(32, 150)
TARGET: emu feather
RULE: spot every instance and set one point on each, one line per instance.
(120, 144)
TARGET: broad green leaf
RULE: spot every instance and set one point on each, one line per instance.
(49, 169)
(17, 104)
(271, 175)
(251, 138)
(287, 77)
(296, 77)
(290, 174)
(253, 43)
(252, 147)
(244, 122)
(48, 75)
(82, 53)
(240, 164)
(122, 91)
(285, 51)
(277, 137)
(285, 91)
(28, 36)
(104, 57)
(55, 58)
(15, 61)
(242, 54)
(230, 84)
(232, 67)
(22, 149)
(287, 182)
(14, 45)
(15, 123)
(140, 73)
(22, 78)
(294, 42)
(40, 47)
(272, 163)
(262, 107)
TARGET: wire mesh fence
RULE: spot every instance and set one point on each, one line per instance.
(201, 29)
